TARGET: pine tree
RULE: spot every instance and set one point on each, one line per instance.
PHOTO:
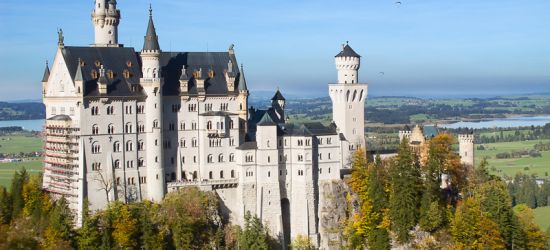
(253, 236)
(5, 206)
(19, 179)
(89, 235)
(533, 236)
(59, 233)
(125, 227)
(404, 192)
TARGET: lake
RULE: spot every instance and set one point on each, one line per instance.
(502, 123)
(34, 125)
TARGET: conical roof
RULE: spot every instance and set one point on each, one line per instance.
(347, 51)
(278, 96)
(79, 76)
(242, 81)
(151, 38)
(46, 73)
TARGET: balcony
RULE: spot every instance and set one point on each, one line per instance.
(204, 184)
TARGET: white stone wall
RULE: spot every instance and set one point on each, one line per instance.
(466, 149)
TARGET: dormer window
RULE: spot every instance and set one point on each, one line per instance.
(94, 74)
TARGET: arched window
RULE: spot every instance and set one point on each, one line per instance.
(96, 149)
(116, 164)
(231, 157)
(129, 146)
(232, 173)
(141, 162)
(231, 124)
(220, 158)
(95, 129)
(221, 174)
(210, 175)
(182, 143)
(116, 146)
(267, 143)
(155, 124)
(209, 125)
(128, 128)
(140, 146)
(209, 160)
(111, 129)
(195, 175)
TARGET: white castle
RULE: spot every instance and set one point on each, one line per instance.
(130, 126)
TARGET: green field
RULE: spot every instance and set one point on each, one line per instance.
(535, 165)
(19, 143)
(542, 217)
(25, 143)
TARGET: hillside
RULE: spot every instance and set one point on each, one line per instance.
(21, 111)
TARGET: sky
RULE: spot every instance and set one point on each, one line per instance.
(425, 48)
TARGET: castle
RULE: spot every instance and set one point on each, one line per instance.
(131, 126)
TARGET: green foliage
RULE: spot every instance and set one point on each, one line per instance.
(89, 236)
(18, 181)
(253, 236)
(59, 233)
(302, 242)
(5, 206)
(404, 190)
(529, 235)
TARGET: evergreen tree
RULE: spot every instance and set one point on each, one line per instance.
(534, 237)
(59, 233)
(404, 192)
(19, 179)
(302, 242)
(5, 206)
(254, 236)
(33, 197)
(125, 226)
(89, 235)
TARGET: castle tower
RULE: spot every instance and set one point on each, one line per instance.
(278, 103)
(466, 148)
(152, 83)
(405, 133)
(242, 99)
(348, 99)
(106, 18)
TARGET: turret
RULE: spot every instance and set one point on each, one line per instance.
(405, 133)
(466, 148)
(79, 79)
(242, 99)
(45, 79)
(152, 83)
(278, 103)
(347, 64)
(105, 18)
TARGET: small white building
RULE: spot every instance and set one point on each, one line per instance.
(129, 126)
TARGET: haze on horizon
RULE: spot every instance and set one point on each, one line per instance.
(424, 48)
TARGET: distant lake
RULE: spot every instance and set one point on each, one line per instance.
(34, 125)
(502, 123)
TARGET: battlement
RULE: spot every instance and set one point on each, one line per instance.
(466, 138)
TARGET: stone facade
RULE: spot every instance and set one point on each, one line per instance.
(130, 126)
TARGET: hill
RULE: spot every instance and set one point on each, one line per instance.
(22, 111)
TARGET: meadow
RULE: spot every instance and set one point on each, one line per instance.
(15, 144)
(542, 217)
(509, 167)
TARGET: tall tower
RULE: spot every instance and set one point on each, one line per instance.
(106, 18)
(152, 83)
(242, 99)
(348, 99)
(466, 148)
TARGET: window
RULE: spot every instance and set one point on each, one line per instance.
(209, 159)
(320, 156)
(95, 111)
(267, 143)
(232, 158)
(232, 173)
(308, 142)
(129, 164)
(140, 146)
(116, 146)
(249, 158)
(140, 109)
(221, 174)
(220, 158)
(171, 126)
(129, 146)
(96, 149)
(141, 162)
(194, 142)
(300, 172)
(231, 124)
(129, 128)
(128, 110)
(95, 129)
(141, 128)
(209, 125)
(329, 156)
(182, 143)
(143, 179)
(329, 141)
(300, 158)
(232, 141)
(210, 175)
(268, 173)
(182, 126)
(155, 124)
(110, 129)
(110, 110)
(96, 166)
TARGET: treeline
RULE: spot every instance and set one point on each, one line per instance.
(22, 111)
(519, 134)
(524, 189)
(187, 219)
(435, 203)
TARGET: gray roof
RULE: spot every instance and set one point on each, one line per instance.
(242, 81)
(78, 75)
(151, 38)
(60, 118)
(248, 145)
(430, 131)
(307, 129)
(46, 73)
(116, 59)
(347, 51)
(217, 113)
(278, 96)
(266, 121)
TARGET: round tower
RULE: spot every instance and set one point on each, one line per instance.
(348, 63)
(152, 83)
(106, 18)
(466, 148)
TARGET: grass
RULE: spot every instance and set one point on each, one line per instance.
(20, 143)
(32, 165)
(542, 217)
(536, 165)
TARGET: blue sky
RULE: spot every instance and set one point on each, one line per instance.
(425, 47)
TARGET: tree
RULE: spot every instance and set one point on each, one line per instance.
(151, 235)
(5, 206)
(33, 197)
(19, 179)
(471, 229)
(125, 226)
(302, 242)
(404, 190)
(88, 236)
(534, 237)
(253, 236)
(59, 233)
(106, 183)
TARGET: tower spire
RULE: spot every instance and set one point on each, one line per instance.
(46, 73)
(151, 39)
(242, 80)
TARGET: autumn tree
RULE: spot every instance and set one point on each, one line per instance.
(125, 226)
(533, 236)
(302, 242)
(404, 191)
(59, 233)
